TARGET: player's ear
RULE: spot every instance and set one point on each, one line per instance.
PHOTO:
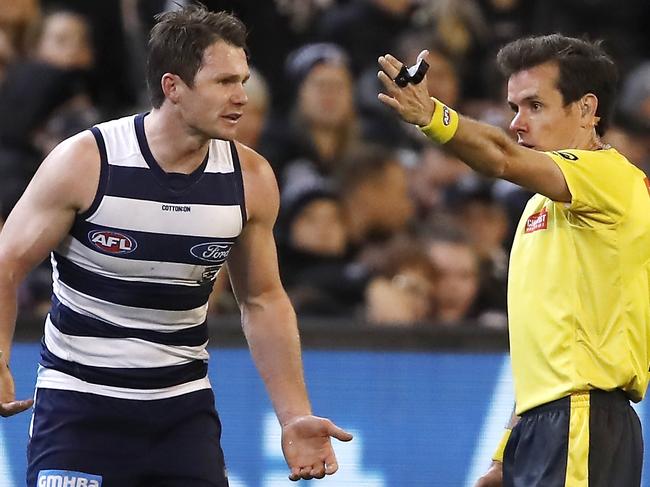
(171, 85)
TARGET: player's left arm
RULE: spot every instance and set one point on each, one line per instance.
(271, 330)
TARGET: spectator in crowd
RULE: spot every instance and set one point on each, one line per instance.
(431, 178)
(16, 18)
(7, 54)
(116, 80)
(322, 125)
(374, 192)
(633, 143)
(45, 99)
(485, 222)
(634, 102)
(457, 267)
(462, 30)
(507, 20)
(403, 290)
(64, 41)
(313, 252)
(365, 28)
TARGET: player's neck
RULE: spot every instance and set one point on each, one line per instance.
(172, 145)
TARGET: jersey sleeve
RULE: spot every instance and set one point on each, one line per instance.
(599, 182)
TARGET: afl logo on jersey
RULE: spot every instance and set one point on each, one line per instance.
(112, 242)
(214, 252)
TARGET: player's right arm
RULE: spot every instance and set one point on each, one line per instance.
(64, 185)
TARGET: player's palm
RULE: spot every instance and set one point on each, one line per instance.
(8, 404)
(307, 447)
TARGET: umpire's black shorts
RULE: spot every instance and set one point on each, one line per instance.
(588, 439)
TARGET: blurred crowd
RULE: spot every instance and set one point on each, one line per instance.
(376, 223)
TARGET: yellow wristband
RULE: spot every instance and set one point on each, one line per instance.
(443, 124)
(498, 453)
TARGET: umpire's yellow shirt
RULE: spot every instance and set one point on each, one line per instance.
(579, 285)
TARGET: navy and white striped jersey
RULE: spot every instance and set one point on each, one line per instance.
(132, 278)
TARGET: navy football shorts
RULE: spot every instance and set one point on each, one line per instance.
(86, 440)
(589, 438)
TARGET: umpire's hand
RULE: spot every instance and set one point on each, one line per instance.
(493, 477)
(412, 102)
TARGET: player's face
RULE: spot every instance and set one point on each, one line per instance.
(542, 121)
(214, 105)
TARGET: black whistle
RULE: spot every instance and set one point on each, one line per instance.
(414, 74)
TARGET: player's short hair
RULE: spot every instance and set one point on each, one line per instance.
(178, 40)
(584, 67)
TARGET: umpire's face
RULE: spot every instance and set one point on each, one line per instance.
(542, 120)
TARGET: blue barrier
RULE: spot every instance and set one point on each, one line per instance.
(419, 419)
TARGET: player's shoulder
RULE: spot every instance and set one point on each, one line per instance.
(260, 186)
(255, 168)
(251, 160)
(76, 155)
(71, 171)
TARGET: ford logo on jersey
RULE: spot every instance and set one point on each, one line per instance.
(66, 478)
(214, 252)
(112, 242)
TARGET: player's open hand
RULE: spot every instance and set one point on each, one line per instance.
(8, 404)
(493, 477)
(307, 447)
(412, 102)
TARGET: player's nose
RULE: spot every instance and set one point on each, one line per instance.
(239, 96)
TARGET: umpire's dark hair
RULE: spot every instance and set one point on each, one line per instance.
(178, 40)
(584, 68)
